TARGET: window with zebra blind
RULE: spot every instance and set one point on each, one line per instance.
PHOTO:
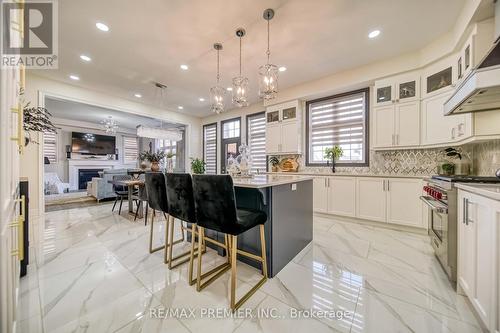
(210, 148)
(50, 146)
(338, 120)
(256, 140)
(130, 150)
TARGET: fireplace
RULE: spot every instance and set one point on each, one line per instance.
(86, 175)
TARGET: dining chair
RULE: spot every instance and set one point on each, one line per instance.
(157, 200)
(121, 191)
(142, 197)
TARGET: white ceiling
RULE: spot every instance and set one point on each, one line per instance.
(148, 40)
(70, 110)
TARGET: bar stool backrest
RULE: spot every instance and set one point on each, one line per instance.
(180, 196)
(214, 201)
(157, 191)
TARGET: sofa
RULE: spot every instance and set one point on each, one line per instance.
(100, 188)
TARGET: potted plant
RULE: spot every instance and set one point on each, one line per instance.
(333, 154)
(462, 165)
(142, 161)
(197, 166)
(170, 162)
(274, 161)
(153, 158)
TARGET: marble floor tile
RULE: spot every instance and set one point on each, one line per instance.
(92, 271)
(280, 320)
(379, 313)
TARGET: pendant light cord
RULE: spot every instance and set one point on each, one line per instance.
(268, 52)
(218, 77)
(240, 56)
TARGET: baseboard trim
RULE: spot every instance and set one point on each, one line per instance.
(397, 227)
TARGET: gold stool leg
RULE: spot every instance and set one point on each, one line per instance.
(215, 272)
(235, 305)
(151, 249)
(183, 257)
(191, 256)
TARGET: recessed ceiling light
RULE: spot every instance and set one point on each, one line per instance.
(229, 88)
(74, 77)
(101, 26)
(184, 67)
(138, 95)
(202, 99)
(374, 34)
(85, 58)
(180, 107)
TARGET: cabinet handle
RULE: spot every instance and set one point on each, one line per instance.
(453, 133)
(388, 187)
(383, 185)
(461, 129)
(393, 139)
(19, 224)
(464, 210)
(325, 183)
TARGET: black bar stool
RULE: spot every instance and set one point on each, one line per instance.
(180, 206)
(157, 200)
(216, 210)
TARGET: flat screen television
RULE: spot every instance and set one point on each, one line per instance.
(92, 144)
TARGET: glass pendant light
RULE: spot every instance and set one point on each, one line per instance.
(217, 93)
(268, 74)
(240, 83)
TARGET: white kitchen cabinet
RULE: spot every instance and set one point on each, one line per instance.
(283, 128)
(383, 121)
(403, 202)
(397, 125)
(342, 196)
(407, 124)
(320, 194)
(396, 112)
(388, 200)
(478, 255)
(273, 138)
(440, 129)
(371, 199)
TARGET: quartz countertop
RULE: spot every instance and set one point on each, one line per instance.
(344, 174)
(491, 191)
(268, 180)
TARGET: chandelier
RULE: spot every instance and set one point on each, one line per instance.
(109, 125)
(268, 74)
(240, 83)
(217, 92)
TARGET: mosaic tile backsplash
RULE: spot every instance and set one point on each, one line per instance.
(484, 157)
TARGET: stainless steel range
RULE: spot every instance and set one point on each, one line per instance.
(441, 197)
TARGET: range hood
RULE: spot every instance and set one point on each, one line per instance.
(480, 91)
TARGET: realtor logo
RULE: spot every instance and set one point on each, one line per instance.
(29, 34)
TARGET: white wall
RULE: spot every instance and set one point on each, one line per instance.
(36, 90)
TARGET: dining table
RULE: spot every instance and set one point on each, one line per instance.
(130, 184)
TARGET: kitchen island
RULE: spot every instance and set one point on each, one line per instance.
(288, 202)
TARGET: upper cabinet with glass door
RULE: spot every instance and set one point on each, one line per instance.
(282, 112)
(439, 77)
(397, 89)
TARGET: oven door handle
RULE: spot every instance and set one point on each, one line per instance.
(440, 208)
